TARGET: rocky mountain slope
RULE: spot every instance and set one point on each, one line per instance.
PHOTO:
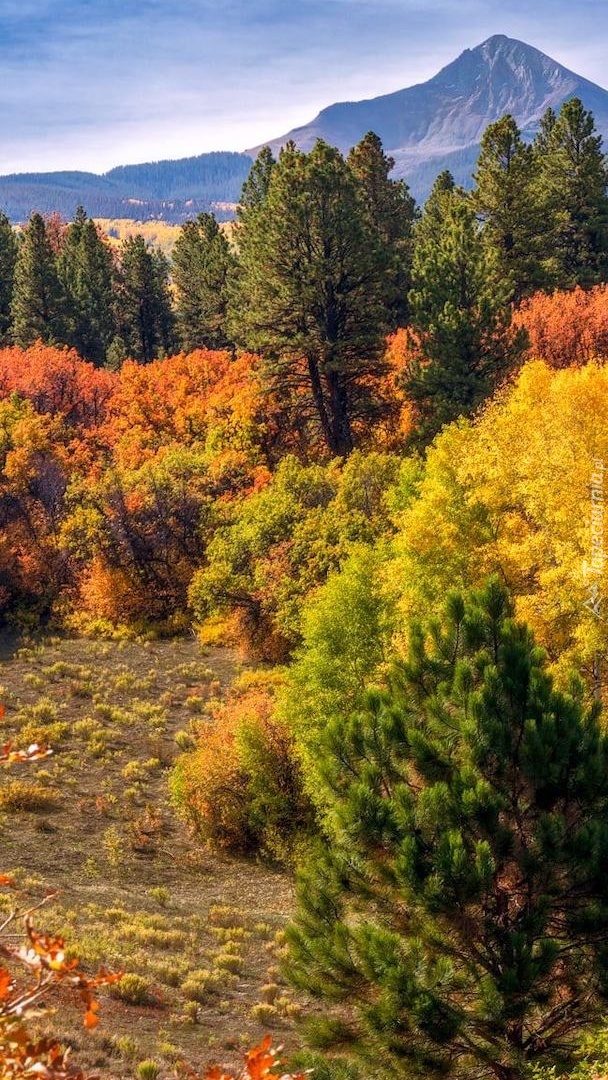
(438, 124)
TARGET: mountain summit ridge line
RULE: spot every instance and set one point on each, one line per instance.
(426, 128)
(439, 123)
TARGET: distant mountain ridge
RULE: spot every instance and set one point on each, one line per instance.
(439, 124)
(166, 190)
(429, 127)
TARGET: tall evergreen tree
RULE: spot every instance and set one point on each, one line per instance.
(572, 182)
(309, 292)
(202, 268)
(255, 188)
(392, 211)
(39, 305)
(542, 139)
(460, 908)
(435, 204)
(504, 200)
(144, 311)
(86, 270)
(460, 314)
(8, 259)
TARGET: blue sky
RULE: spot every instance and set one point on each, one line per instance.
(104, 82)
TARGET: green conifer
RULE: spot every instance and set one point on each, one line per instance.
(255, 188)
(572, 182)
(460, 313)
(392, 211)
(460, 908)
(309, 293)
(144, 311)
(86, 270)
(202, 268)
(39, 303)
(504, 199)
(8, 259)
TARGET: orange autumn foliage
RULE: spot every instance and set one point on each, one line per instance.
(566, 328)
(58, 382)
(203, 397)
(400, 351)
(108, 593)
(56, 230)
(34, 474)
(241, 788)
(179, 434)
(106, 478)
(261, 1063)
(211, 783)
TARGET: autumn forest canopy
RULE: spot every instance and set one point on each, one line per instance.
(363, 442)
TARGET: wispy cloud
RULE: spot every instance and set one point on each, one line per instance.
(91, 84)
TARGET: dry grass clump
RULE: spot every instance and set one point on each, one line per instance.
(26, 795)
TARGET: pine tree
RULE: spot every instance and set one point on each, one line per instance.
(572, 183)
(460, 908)
(392, 210)
(116, 354)
(434, 206)
(460, 314)
(8, 259)
(504, 200)
(202, 267)
(39, 305)
(309, 291)
(542, 139)
(255, 188)
(86, 270)
(144, 311)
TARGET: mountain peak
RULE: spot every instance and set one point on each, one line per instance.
(439, 124)
(498, 41)
(517, 61)
(500, 46)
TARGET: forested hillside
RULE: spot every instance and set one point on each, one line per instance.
(163, 190)
(355, 449)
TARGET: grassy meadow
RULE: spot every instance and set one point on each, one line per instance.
(199, 935)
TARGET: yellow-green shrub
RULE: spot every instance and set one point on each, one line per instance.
(241, 788)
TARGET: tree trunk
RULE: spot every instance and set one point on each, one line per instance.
(316, 387)
(341, 435)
